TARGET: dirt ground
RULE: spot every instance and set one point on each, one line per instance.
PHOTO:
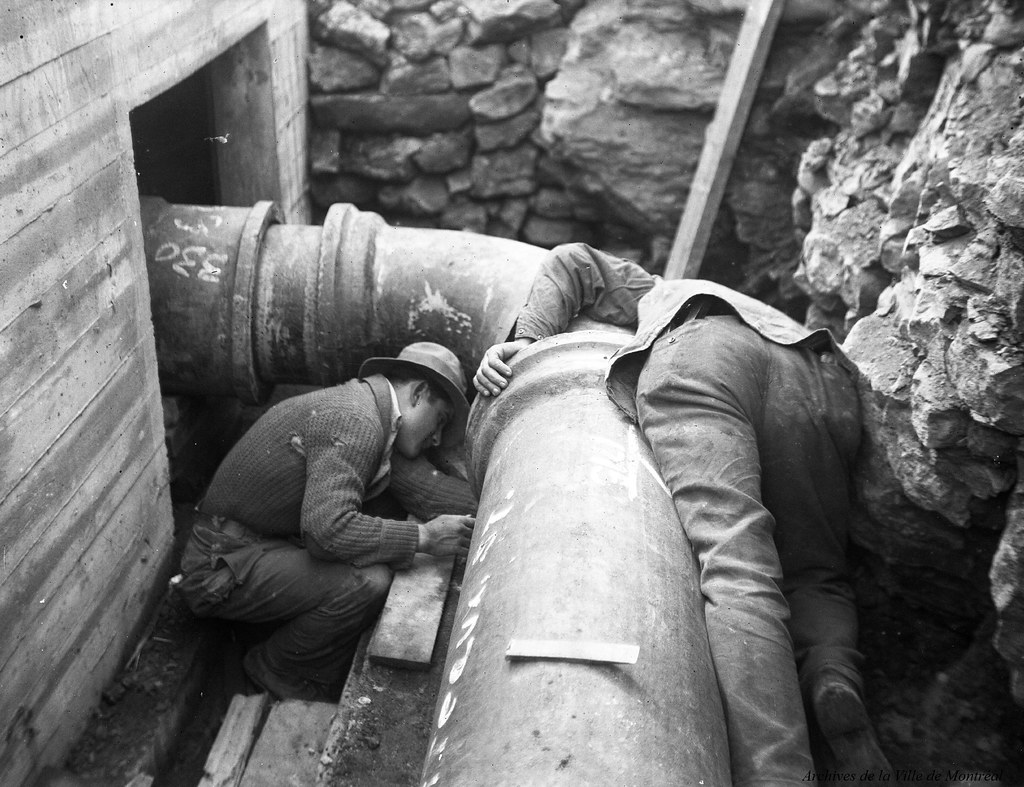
(385, 729)
(390, 713)
(939, 698)
(388, 731)
(133, 728)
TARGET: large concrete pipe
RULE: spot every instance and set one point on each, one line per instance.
(578, 567)
(241, 301)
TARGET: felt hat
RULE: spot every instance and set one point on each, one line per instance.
(439, 365)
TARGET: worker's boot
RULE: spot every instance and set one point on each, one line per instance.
(280, 687)
(844, 723)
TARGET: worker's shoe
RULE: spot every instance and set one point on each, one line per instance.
(280, 687)
(844, 723)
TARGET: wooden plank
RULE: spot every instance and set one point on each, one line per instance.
(288, 750)
(242, 98)
(404, 711)
(722, 138)
(44, 608)
(55, 162)
(291, 154)
(300, 211)
(41, 723)
(288, 48)
(30, 426)
(59, 622)
(40, 98)
(55, 240)
(284, 15)
(407, 628)
(143, 313)
(51, 483)
(34, 33)
(88, 298)
(59, 717)
(90, 537)
(150, 61)
(42, 552)
(226, 761)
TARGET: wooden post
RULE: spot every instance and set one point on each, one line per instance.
(722, 137)
(245, 132)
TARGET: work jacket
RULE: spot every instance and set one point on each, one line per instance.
(575, 279)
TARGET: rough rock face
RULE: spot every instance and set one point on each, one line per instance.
(629, 105)
(913, 246)
(627, 112)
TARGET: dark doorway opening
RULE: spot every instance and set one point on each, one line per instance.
(173, 138)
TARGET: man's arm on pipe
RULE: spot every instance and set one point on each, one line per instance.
(573, 279)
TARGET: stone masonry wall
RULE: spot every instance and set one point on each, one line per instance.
(553, 121)
(427, 111)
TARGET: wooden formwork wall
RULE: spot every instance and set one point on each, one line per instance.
(85, 515)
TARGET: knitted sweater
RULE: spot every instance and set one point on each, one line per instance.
(426, 492)
(304, 468)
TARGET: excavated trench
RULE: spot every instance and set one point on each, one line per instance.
(937, 690)
(934, 692)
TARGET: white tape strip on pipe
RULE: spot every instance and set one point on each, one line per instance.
(565, 650)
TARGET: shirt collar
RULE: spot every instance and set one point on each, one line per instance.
(396, 409)
(377, 485)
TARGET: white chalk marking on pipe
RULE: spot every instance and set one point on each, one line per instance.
(607, 462)
(475, 600)
(632, 461)
(447, 707)
(606, 444)
(499, 514)
(656, 476)
(484, 548)
(435, 301)
(572, 650)
(469, 623)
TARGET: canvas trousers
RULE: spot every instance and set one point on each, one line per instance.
(756, 440)
(321, 607)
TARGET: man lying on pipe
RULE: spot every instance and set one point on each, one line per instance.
(754, 421)
(284, 538)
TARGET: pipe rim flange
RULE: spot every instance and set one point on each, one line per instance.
(345, 306)
(246, 382)
(489, 415)
(324, 360)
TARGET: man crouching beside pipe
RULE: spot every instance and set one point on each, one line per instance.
(755, 423)
(283, 537)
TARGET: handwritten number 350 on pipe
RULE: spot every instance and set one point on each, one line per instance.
(206, 264)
